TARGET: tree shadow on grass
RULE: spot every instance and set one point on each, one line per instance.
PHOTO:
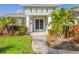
(4, 49)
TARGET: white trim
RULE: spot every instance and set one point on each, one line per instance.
(43, 24)
(38, 5)
(49, 20)
(28, 22)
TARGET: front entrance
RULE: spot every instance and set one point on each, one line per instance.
(39, 24)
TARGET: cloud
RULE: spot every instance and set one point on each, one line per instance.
(19, 11)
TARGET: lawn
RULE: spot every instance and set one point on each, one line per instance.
(16, 45)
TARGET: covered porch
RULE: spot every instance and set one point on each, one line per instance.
(36, 23)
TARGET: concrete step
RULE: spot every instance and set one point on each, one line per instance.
(39, 35)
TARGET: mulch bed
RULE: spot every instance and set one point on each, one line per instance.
(2, 36)
(5, 36)
(65, 44)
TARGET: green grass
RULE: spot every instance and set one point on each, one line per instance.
(16, 45)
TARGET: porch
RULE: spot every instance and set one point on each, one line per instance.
(37, 23)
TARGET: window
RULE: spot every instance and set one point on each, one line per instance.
(39, 9)
(33, 9)
(28, 10)
(44, 9)
(50, 9)
(39, 23)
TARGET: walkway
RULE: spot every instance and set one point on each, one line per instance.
(39, 45)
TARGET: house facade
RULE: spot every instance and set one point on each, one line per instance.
(38, 16)
(35, 16)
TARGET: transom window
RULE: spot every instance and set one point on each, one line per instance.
(39, 9)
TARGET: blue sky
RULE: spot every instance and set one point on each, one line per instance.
(12, 8)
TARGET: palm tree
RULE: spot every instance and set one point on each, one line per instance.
(12, 23)
(4, 22)
(61, 18)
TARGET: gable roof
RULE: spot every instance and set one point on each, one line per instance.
(14, 15)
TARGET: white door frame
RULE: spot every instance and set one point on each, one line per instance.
(39, 30)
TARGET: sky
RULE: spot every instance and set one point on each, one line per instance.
(14, 8)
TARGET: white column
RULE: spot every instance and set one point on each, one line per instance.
(76, 22)
(27, 22)
(49, 20)
(31, 25)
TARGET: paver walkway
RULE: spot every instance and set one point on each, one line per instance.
(39, 44)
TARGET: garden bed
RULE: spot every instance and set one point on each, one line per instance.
(65, 44)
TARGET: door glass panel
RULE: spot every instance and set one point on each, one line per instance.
(37, 23)
(41, 23)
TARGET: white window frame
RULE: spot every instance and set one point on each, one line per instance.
(39, 30)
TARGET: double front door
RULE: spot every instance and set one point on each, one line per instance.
(39, 25)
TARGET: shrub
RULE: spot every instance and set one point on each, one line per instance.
(17, 33)
(75, 33)
(16, 30)
(50, 31)
(22, 30)
(9, 26)
(51, 37)
(1, 31)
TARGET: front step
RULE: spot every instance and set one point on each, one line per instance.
(40, 35)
